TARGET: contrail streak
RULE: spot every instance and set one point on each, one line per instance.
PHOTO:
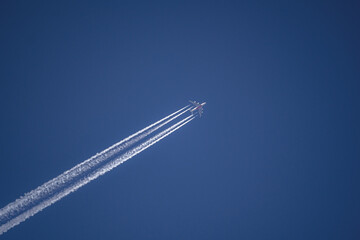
(42, 193)
(53, 185)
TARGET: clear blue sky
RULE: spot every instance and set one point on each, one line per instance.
(275, 155)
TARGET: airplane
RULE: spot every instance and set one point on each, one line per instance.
(197, 106)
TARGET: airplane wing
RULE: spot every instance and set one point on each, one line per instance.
(197, 106)
(194, 103)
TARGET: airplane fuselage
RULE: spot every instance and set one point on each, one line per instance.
(198, 107)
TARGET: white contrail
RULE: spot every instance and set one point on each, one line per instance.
(58, 182)
(51, 186)
(98, 172)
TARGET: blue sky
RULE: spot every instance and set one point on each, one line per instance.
(275, 155)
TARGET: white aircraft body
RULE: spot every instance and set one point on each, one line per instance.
(197, 107)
